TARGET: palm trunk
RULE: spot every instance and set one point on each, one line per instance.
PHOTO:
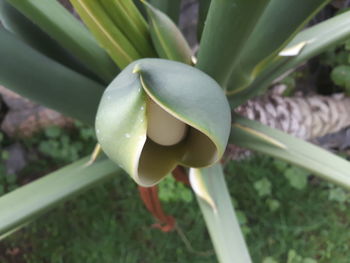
(304, 117)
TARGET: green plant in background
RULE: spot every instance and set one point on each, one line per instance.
(244, 46)
(339, 59)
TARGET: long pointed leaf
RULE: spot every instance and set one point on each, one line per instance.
(127, 17)
(33, 75)
(275, 29)
(167, 38)
(255, 136)
(229, 24)
(56, 21)
(23, 28)
(220, 218)
(317, 39)
(106, 32)
(28, 202)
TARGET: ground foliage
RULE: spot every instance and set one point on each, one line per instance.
(294, 219)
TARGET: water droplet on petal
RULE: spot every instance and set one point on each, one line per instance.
(127, 135)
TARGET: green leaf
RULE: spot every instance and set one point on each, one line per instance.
(221, 220)
(273, 204)
(170, 190)
(341, 75)
(24, 29)
(167, 38)
(281, 166)
(269, 260)
(128, 19)
(169, 7)
(337, 194)
(279, 23)
(296, 177)
(57, 22)
(255, 136)
(263, 187)
(316, 39)
(106, 32)
(53, 132)
(228, 26)
(33, 75)
(27, 202)
(185, 94)
(293, 257)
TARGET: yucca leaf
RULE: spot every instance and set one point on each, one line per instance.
(35, 76)
(23, 28)
(228, 26)
(316, 40)
(167, 38)
(169, 7)
(281, 21)
(105, 31)
(129, 20)
(26, 203)
(220, 218)
(57, 22)
(258, 137)
(135, 14)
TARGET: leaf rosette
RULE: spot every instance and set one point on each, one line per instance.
(157, 114)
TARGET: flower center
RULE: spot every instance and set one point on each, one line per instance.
(163, 128)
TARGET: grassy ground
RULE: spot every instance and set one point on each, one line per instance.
(292, 219)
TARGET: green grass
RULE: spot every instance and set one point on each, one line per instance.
(284, 219)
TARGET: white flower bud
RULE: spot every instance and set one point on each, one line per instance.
(163, 128)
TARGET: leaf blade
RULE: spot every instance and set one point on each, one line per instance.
(318, 38)
(274, 30)
(224, 36)
(106, 33)
(221, 222)
(167, 38)
(43, 80)
(296, 151)
(28, 202)
(127, 18)
(56, 21)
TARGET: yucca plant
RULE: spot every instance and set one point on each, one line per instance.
(156, 105)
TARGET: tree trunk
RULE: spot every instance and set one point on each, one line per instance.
(304, 117)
